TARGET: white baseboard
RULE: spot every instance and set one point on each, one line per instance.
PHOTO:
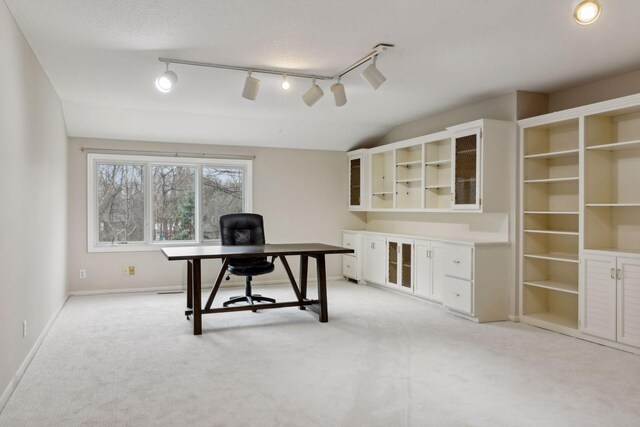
(234, 284)
(27, 360)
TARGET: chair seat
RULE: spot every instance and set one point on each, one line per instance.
(255, 269)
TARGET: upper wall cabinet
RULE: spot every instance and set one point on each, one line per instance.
(459, 169)
(358, 170)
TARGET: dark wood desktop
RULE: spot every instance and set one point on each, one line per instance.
(195, 254)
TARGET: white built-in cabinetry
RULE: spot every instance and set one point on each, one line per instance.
(580, 222)
(467, 277)
(459, 169)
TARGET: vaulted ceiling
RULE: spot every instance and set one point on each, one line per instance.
(102, 58)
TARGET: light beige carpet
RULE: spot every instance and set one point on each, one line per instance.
(382, 360)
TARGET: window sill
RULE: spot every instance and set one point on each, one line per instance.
(142, 247)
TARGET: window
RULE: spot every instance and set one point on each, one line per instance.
(138, 203)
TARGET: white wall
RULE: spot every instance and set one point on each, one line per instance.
(302, 195)
(33, 190)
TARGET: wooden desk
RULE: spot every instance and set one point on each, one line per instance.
(195, 254)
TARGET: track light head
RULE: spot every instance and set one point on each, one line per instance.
(285, 83)
(339, 95)
(312, 96)
(251, 87)
(372, 75)
(166, 81)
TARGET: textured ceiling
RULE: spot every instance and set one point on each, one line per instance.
(101, 56)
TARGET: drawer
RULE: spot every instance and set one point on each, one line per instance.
(459, 262)
(349, 266)
(349, 241)
(458, 295)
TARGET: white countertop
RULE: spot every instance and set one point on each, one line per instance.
(474, 242)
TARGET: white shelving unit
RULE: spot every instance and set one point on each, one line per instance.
(550, 224)
(458, 169)
(580, 222)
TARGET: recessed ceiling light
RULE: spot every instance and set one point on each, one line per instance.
(285, 83)
(586, 12)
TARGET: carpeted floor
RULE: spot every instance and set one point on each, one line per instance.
(382, 360)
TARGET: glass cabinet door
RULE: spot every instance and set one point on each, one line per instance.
(406, 265)
(355, 167)
(392, 277)
(466, 170)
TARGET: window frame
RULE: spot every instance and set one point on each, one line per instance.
(93, 244)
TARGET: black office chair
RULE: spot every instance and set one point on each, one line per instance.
(245, 229)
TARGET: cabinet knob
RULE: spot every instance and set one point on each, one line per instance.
(456, 295)
(455, 261)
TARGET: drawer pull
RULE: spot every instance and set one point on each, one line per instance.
(348, 244)
(455, 261)
(348, 266)
(456, 295)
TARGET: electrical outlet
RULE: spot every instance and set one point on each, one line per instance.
(132, 270)
(83, 274)
(24, 329)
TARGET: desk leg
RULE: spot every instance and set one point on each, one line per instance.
(189, 284)
(322, 288)
(197, 298)
(304, 268)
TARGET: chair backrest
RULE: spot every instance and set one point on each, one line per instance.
(241, 229)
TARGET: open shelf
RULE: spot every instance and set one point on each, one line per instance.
(409, 155)
(619, 205)
(555, 306)
(438, 198)
(615, 228)
(566, 233)
(551, 180)
(552, 212)
(571, 288)
(551, 138)
(409, 194)
(554, 257)
(406, 181)
(616, 146)
(438, 151)
(438, 162)
(410, 164)
(554, 154)
(436, 187)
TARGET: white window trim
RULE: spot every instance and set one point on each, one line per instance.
(148, 161)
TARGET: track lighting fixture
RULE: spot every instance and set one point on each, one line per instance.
(165, 82)
(285, 83)
(312, 96)
(339, 95)
(372, 75)
(251, 87)
(586, 12)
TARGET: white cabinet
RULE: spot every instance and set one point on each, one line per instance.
(610, 298)
(468, 278)
(466, 169)
(374, 255)
(430, 276)
(399, 263)
(352, 263)
(358, 182)
(459, 168)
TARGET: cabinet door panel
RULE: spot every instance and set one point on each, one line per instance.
(629, 301)
(438, 276)
(422, 283)
(466, 170)
(406, 258)
(598, 297)
(373, 250)
(355, 182)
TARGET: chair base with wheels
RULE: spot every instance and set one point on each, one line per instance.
(248, 296)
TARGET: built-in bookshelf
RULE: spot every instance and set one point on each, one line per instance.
(383, 179)
(437, 169)
(551, 224)
(580, 222)
(612, 174)
(409, 177)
